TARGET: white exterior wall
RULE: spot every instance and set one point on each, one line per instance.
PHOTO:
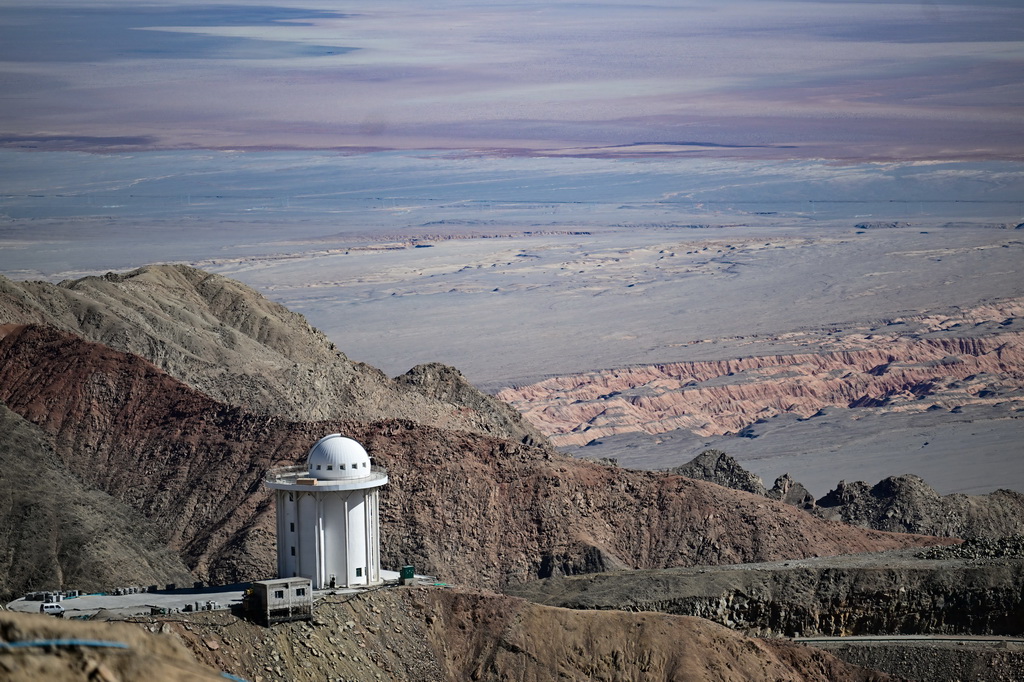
(287, 520)
(309, 537)
(335, 554)
(336, 533)
(373, 535)
(328, 529)
(357, 531)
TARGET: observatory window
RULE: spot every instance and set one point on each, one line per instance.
(293, 550)
(318, 467)
(278, 594)
(330, 467)
(291, 498)
(355, 466)
(291, 526)
(300, 592)
(359, 572)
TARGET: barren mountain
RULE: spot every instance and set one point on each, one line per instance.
(55, 530)
(906, 504)
(898, 504)
(471, 508)
(231, 343)
(929, 362)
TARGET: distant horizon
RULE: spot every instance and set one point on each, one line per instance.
(840, 80)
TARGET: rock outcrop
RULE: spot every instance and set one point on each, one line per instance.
(892, 593)
(791, 492)
(898, 504)
(715, 466)
(906, 504)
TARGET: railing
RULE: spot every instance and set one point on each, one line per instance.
(289, 473)
(279, 473)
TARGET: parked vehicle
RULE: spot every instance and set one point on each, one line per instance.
(52, 608)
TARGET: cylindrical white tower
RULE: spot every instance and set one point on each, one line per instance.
(328, 519)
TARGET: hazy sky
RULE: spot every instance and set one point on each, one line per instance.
(834, 79)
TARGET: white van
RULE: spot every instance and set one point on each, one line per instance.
(52, 608)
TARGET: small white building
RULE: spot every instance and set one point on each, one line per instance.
(328, 515)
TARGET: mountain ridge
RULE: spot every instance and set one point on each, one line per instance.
(196, 466)
(231, 343)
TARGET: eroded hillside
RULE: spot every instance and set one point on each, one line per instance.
(229, 342)
(443, 634)
(971, 357)
(474, 509)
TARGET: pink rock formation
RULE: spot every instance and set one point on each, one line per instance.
(888, 371)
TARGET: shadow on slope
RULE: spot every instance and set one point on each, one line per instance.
(57, 532)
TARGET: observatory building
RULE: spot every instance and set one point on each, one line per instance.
(328, 518)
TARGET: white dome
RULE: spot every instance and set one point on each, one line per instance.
(336, 457)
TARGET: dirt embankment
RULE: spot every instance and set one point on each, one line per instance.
(135, 655)
(433, 634)
(931, 367)
(894, 593)
(936, 660)
(474, 509)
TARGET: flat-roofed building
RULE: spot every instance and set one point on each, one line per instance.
(281, 600)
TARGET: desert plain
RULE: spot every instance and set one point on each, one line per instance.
(604, 298)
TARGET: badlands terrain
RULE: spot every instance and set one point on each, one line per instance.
(157, 399)
(849, 352)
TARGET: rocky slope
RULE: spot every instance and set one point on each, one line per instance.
(143, 656)
(471, 508)
(55, 530)
(891, 593)
(226, 340)
(442, 634)
(945, 362)
(906, 504)
(898, 504)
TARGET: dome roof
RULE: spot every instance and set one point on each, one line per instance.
(336, 457)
